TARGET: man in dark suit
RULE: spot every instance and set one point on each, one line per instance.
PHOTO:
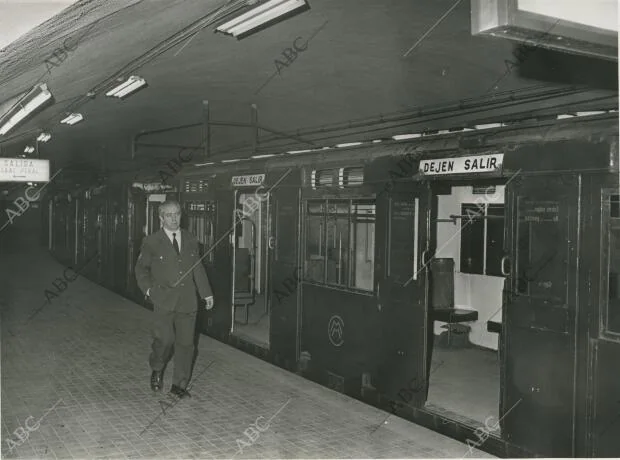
(168, 271)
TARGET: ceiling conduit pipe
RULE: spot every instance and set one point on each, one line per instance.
(508, 97)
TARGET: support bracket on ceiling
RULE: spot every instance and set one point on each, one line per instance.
(206, 125)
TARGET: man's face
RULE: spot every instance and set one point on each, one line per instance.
(171, 218)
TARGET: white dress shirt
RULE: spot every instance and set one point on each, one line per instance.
(177, 234)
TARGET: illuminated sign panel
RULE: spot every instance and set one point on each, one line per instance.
(574, 26)
(462, 165)
(248, 181)
(602, 14)
(24, 170)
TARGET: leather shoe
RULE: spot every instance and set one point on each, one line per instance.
(179, 392)
(157, 378)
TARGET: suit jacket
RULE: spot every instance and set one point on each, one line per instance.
(172, 278)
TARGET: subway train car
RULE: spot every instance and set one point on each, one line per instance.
(467, 280)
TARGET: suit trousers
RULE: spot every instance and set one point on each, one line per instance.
(173, 329)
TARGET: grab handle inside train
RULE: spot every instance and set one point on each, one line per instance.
(505, 272)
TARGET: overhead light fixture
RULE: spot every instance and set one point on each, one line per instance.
(261, 17)
(29, 149)
(72, 119)
(132, 84)
(400, 137)
(35, 98)
(44, 137)
(299, 151)
(348, 144)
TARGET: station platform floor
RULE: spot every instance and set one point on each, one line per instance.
(75, 384)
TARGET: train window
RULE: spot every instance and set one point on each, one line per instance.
(340, 243)
(614, 204)
(494, 239)
(315, 259)
(337, 242)
(324, 178)
(482, 238)
(611, 265)
(201, 223)
(472, 239)
(613, 279)
(363, 214)
(352, 177)
(541, 248)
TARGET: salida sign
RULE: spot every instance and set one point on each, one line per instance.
(24, 170)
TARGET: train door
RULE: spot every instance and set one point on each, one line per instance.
(152, 212)
(200, 215)
(100, 236)
(605, 348)
(136, 223)
(466, 283)
(118, 244)
(50, 223)
(538, 379)
(285, 274)
(402, 294)
(250, 267)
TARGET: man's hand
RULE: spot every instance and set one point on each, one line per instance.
(209, 301)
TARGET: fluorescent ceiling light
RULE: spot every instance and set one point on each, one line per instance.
(587, 114)
(25, 106)
(488, 125)
(204, 164)
(300, 151)
(29, 149)
(350, 144)
(264, 156)
(400, 137)
(231, 161)
(262, 16)
(132, 84)
(44, 137)
(72, 119)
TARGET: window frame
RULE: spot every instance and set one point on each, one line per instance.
(607, 224)
(324, 202)
(485, 232)
(210, 216)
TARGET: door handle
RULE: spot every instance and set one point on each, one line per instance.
(503, 266)
(424, 261)
(379, 307)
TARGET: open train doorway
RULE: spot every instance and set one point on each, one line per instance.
(250, 268)
(467, 275)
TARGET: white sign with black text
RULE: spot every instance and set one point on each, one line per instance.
(248, 181)
(462, 165)
(24, 170)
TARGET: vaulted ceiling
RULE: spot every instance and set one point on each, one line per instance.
(370, 68)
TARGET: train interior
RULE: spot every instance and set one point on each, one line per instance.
(251, 269)
(466, 302)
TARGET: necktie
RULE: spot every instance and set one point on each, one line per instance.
(175, 243)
